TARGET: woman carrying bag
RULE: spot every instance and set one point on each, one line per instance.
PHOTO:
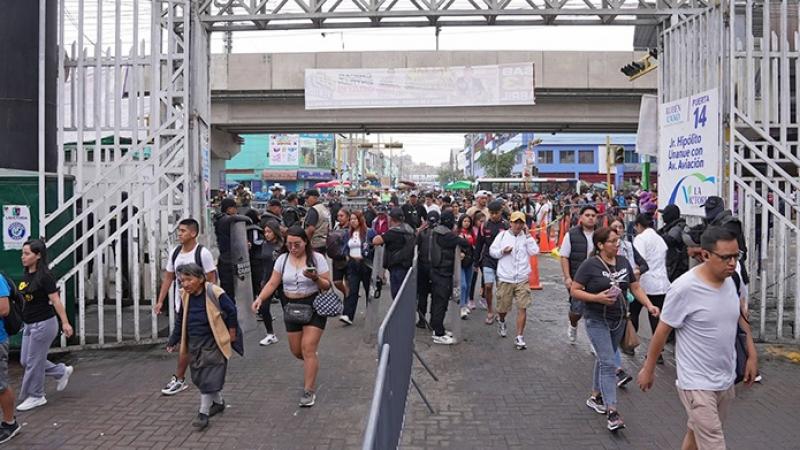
(303, 274)
(602, 282)
(357, 244)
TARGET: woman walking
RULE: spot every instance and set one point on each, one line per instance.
(302, 273)
(470, 234)
(205, 330)
(339, 264)
(655, 281)
(42, 304)
(602, 282)
(270, 250)
(357, 241)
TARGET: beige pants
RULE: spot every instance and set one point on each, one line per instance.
(707, 411)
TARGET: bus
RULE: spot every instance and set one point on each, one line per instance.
(527, 186)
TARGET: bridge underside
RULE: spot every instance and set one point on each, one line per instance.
(555, 111)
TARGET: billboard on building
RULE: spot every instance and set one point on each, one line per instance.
(284, 149)
(495, 85)
(689, 151)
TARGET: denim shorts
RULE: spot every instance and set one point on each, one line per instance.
(488, 275)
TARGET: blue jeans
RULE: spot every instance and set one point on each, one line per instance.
(466, 282)
(605, 337)
(396, 277)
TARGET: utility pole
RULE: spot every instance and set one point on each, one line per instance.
(608, 165)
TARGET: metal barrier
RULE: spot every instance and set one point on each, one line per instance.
(395, 352)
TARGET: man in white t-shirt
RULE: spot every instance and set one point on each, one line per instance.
(702, 306)
(189, 251)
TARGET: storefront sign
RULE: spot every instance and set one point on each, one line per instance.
(279, 175)
(16, 226)
(314, 175)
(689, 149)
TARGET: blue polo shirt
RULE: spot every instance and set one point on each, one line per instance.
(5, 291)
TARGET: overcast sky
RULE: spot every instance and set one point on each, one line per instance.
(432, 148)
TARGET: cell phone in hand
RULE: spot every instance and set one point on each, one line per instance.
(311, 269)
(614, 291)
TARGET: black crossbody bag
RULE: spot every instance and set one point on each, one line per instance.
(293, 312)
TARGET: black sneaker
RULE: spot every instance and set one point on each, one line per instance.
(660, 360)
(8, 431)
(378, 288)
(216, 408)
(421, 324)
(623, 378)
(201, 421)
(596, 404)
(615, 421)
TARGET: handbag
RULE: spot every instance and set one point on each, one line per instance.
(328, 304)
(298, 313)
(630, 340)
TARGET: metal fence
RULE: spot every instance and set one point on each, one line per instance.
(396, 352)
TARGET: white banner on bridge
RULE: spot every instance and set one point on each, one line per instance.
(689, 152)
(497, 85)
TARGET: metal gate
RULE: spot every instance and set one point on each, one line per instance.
(750, 51)
(128, 128)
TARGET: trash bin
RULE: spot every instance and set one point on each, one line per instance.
(21, 188)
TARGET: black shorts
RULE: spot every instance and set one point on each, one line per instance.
(339, 274)
(316, 320)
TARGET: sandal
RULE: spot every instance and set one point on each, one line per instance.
(489, 319)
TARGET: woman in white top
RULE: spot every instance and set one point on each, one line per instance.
(303, 273)
(357, 243)
(655, 281)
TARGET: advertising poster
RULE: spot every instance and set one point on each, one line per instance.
(284, 149)
(308, 151)
(689, 152)
(16, 226)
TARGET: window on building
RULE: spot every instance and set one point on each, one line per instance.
(566, 157)
(631, 157)
(586, 157)
(545, 157)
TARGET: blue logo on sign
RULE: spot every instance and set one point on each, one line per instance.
(16, 231)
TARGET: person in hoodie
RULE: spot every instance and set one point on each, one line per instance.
(672, 233)
(443, 256)
(381, 223)
(399, 254)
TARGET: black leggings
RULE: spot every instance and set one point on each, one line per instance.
(472, 285)
(266, 314)
(636, 309)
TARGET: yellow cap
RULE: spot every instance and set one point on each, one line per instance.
(517, 215)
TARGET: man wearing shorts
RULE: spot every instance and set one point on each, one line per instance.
(488, 232)
(703, 308)
(513, 249)
(575, 249)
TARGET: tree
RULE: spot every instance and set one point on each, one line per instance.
(498, 165)
(446, 175)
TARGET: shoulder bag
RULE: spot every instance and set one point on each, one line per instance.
(296, 313)
(630, 339)
(327, 303)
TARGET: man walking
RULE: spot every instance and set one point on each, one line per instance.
(425, 254)
(481, 202)
(414, 212)
(513, 249)
(222, 230)
(443, 253)
(486, 236)
(317, 221)
(672, 234)
(189, 251)
(575, 249)
(399, 254)
(702, 306)
(291, 214)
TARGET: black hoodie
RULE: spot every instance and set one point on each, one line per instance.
(399, 241)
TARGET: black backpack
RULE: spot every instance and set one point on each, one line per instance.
(334, 244)
(13, 321)
(198, 255)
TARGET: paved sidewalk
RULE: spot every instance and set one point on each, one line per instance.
(493, 396)
(490, 396)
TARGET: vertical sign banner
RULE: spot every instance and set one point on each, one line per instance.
(16, 226)
(284, 149)
(689, 152)
(308, 151)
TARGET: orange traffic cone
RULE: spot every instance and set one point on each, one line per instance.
(562, 230)
(533, 278)
(545, 246)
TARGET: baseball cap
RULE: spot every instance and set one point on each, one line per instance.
(274, 202)
(481, 194)
(397, 214)
(713, 206)
(433, 216)
(226, 203)
(670, 213)
(381, 209)
(448, 219)
(495, 206)
(517, 215)
(312, 193)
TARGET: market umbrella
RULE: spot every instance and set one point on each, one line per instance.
(458, 185)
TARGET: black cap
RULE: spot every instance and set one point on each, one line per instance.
(382, 209)
(312, 193)
(397, 214)
(226, 203)
(714, 206)
(274, 202)
(448, 219)
(495, 206)
(671, 213)
(433, 216)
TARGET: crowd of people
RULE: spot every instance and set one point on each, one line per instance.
(304, 248)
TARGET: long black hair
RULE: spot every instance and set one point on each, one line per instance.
(37, 246)
(297, 231)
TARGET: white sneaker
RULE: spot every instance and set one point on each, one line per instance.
(175, 386)
(444, 340)
(572, 333)
(502, 329)
(31, 402)
(464, 313)
(519, 342)
(64, 380)
(345, 319)
(269, 339)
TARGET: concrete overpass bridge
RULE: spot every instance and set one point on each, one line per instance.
(575, 91)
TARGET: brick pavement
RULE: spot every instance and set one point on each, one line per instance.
(489, 396)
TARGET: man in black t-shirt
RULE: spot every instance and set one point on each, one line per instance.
(414, 212)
